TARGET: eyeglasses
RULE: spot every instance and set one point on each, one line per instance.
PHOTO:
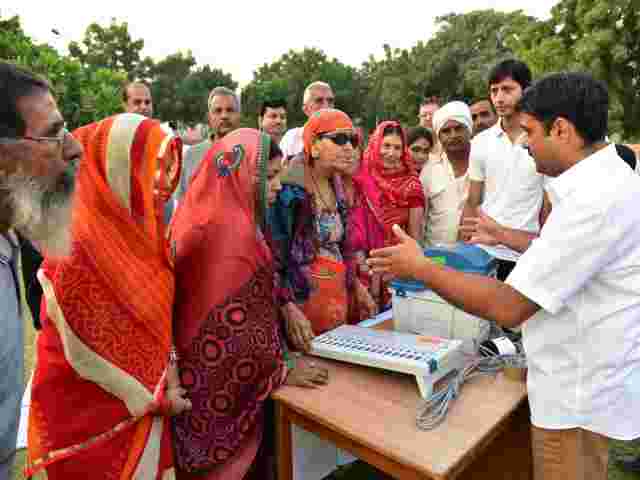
(58, 139)
(322, 100)
(340, 139)
(417, 149)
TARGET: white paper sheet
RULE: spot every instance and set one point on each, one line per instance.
(24, 417)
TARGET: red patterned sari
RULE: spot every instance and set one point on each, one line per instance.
(98, 387)
(226, 322)
(382, 199)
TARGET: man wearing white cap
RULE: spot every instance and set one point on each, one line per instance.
(444, 177)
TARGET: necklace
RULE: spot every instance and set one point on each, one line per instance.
(317, 189)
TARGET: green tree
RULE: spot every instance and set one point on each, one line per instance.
(83, 95)
(112, 47)
(288, 77)
(193, 92)
(454, 63)
(599, 36)
(180, 89)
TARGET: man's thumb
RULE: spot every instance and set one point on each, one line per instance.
(401, 234)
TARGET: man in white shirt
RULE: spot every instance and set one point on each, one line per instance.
(576, 289)
(317, 96)
(504, 183)
(444, 177)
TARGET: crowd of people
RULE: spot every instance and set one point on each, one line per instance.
(177, 284)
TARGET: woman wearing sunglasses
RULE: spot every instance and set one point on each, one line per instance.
(391, 194)
(309, 226)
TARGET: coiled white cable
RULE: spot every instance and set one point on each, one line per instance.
(434, 410)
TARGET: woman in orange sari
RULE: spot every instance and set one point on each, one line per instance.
(104, 383)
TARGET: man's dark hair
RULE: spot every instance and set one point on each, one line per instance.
(482, 99)
(280, 103)
(514, 69)
(626, 154)
(16, 83)
(128, 85)
(416, 133)
(577, 97)
(430, 100)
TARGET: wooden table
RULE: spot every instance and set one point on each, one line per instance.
(371, 414)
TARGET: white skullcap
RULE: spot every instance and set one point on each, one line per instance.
(458, 111)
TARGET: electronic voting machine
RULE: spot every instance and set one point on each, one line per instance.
(427, 358)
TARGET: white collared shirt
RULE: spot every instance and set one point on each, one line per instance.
(446, 196)
(513, 189)
(292, 143)
(583, 346)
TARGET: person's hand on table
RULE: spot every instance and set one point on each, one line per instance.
(401, 260)
(307, 374)
(481, 229)
(298, 327)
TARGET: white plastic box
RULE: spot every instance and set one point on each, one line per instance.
(420, 310)
(425, 312)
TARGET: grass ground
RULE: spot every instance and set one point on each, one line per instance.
(356, 471)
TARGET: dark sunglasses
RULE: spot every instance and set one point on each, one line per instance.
(341, 139)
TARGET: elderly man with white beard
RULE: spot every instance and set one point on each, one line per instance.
(38, 160)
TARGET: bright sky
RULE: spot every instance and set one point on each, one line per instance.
(240, 36)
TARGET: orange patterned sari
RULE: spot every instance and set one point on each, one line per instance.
(97, 399)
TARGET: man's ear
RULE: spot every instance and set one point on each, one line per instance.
(564, 129)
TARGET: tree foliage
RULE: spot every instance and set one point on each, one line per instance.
(598, 36)
(84, 95)
(288, 76)
(180, 89)
(113, 48)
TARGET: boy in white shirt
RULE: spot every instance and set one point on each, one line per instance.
(504, 183)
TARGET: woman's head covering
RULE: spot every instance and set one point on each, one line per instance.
(116, 224)
(327, 120)
(225, 313)
(388, 195)
(110, 304)
(458, 111)
(403, 188)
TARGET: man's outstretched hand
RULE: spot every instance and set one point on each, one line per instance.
(401, 261)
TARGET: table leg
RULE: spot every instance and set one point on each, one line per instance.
(283, 443)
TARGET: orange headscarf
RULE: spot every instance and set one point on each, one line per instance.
(327, 120)
(107, 327)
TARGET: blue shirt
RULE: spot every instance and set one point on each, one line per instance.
(11, 347)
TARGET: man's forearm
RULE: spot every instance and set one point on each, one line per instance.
(478, 295)
(518, 240)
